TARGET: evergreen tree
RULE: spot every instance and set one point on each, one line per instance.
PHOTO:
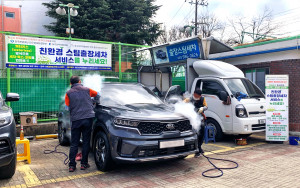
(127, 21)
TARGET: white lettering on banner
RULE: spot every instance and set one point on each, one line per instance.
(183, 50)
(53, 53)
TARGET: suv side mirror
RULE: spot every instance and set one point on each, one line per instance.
(12, 97)
(223, 96)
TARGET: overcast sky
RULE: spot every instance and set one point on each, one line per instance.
(175, 12)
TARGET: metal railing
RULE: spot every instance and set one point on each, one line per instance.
(42, 91)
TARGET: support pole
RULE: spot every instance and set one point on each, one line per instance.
(196, 14)
(69, 22)
(8, 82)
(120, 62)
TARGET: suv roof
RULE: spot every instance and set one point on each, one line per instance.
(120, 83)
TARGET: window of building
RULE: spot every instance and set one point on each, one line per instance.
(257, 76)
(9, 14)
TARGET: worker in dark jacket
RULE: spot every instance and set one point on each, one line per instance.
(78, 100)
(200, 106)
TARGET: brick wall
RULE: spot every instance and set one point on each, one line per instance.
(290, 67)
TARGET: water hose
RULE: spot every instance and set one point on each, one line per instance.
(217, 168)
(66, 161)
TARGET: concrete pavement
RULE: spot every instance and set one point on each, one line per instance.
(260, 165)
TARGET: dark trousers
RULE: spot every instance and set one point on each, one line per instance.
(201, 137)
(84, 127)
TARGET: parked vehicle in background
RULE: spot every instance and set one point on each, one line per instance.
(132, 124)
(8, 151)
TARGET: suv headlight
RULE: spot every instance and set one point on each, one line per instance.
(126, 122)
(240, 111)
(5, 118)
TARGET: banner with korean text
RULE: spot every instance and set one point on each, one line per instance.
(45, 53)
(277, 123)
(177, 52)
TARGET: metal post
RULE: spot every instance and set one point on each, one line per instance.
(69, 22)
(120, 62)
(71, 73)
(8, 82)
(196, 12)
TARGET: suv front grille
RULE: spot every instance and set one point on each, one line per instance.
(159, 127)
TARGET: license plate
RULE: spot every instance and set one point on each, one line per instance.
(261, 121)
(171, 144)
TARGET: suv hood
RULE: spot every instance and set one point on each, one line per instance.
(147, 112)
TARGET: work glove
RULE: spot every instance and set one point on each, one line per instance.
(97, 98)
(200, 110)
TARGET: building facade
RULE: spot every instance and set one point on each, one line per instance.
(10, 19)
(280, 56)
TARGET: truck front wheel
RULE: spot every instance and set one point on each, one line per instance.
(218, 131)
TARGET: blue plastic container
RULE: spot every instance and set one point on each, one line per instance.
(294, 140)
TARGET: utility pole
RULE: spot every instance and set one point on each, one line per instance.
(202, 3)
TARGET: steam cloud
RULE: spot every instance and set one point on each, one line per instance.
(93, 81)
(187, 110)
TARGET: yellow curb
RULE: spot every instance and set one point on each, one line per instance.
(228, 149)
(29, 177)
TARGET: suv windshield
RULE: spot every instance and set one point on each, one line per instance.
(114, 94)
(244, 85)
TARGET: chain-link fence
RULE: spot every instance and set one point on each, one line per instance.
(42, 91)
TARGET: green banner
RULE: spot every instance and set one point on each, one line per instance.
(18, 53)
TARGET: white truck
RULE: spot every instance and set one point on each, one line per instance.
(236, 106)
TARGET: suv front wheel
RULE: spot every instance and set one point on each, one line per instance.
(102, 152)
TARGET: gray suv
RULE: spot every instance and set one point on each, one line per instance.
(132, 124)
(7, 137)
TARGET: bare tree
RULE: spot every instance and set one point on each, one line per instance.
(209, 24)
(174, 33)
(259, 27)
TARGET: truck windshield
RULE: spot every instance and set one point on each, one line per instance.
(243, 85)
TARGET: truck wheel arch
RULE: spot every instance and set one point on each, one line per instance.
(219, 131)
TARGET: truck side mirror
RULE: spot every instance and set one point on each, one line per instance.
(223, 96)
(12, 97)
(172, 99)
(173, 90)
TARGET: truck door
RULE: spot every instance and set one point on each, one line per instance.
(216, 109)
